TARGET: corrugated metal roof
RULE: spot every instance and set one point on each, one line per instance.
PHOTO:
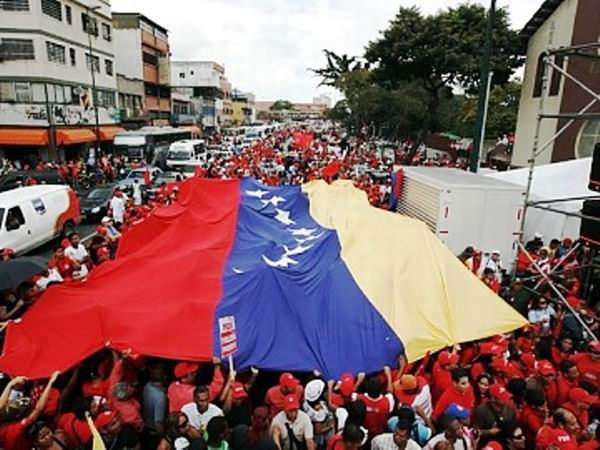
(538, 19)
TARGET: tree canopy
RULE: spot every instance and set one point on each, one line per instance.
(281, 105)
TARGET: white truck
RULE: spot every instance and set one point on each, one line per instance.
(465, 209)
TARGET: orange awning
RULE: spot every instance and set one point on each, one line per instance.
(194, 129)
(24, 136)
(68, 136)
(108, 133)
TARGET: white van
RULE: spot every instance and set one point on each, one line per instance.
(31, 216)
(186, 151)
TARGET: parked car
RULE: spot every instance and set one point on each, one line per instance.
(16, 179)
(31, 216)
(95, 204)
(138, 174)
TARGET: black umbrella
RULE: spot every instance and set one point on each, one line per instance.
(15, 271)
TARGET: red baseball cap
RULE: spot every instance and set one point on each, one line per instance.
(490, 348)
(500, 393)
(185, 368)
(582, 396)
(446, 358)
(239, 391)
(492, 446)
(102, 251)
(101, 230)
(528, 359)
(545, 367)
(291, 403)
(500, 364)
(287, 380)
(347, 384)
(104, 418)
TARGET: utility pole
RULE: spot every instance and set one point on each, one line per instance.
(94, 93)
(52, 154)
(484, 90)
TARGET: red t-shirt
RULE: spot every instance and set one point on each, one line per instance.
(589, 370)
(555, 436)
(531, 421)
(99, 388)
(441, 379)
(13, 436)
(453, 395)
(563, 386)
(378, 412)
(275, 398)
(77, 431)
(581, 415)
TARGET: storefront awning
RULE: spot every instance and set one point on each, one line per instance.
(74, 136)
(108, 133)
(24, 136)
(194, 129)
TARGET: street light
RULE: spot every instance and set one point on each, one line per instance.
(94, 94)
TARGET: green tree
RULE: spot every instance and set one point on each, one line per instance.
(442, 51)
(281, 105)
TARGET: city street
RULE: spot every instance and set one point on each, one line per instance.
(45, 251)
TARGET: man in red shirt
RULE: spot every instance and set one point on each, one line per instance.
(460, 392)
(568, 379)
(533, 415)
(589, 364)
(13, 432)
(288, 385)
(441, 377)
(181, 392)
(559, 434)
(545, 381)
(379, 406)
(579, 403)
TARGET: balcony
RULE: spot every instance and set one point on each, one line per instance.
(151, 74)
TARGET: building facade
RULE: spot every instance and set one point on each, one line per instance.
(205, 82)
(244, 108)
(143, 69)
(48, 50)
(559, 23)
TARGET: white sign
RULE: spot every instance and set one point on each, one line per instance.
(228, 336)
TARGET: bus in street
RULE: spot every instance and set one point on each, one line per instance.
(150, 144)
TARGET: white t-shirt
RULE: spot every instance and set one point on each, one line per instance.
(302, 427)
(200, 420)
(423, 400)
(460, 444)
(137, 194)
(117, 205)
(386, 442)
(77, 254)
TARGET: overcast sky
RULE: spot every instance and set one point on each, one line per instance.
(267, 46)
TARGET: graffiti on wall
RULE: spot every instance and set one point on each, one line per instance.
(35, 115)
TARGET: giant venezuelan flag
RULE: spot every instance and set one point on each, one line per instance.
(314, 276)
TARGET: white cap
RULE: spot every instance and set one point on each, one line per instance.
(538, 235)
(314, 390)
(495, 252)
(181, 443)
(106, 219)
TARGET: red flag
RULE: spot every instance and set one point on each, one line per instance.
(331, 170)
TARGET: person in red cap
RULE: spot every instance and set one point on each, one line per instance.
(288, 385)
(588, 364)
(579, 404)
(415, 392)
(441, 376)
(493, 445)
(560, 433)
(114, 434)
(460, 392)
(237, 407)
(487, 352)
(491, 417)
(347, 387)
(103, 255)
(545, 381)
(181, 391)
(291, 428)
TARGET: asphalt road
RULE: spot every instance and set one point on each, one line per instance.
(45, 251)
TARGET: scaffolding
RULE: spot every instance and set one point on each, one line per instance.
(588, 51)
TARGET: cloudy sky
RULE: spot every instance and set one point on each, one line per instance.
(267, 46)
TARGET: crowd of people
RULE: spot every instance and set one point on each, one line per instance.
(535, 388)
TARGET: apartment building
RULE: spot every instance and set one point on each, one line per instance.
(244, 109)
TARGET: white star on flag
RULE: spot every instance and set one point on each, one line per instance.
(303, 231)
(275, 201)
(284, 217)
(308, 239)
(285, 261)
(257, 193)
(296, 251)
(238, 271)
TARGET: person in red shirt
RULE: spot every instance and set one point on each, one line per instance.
(567, 380)
(579, 404)
(563, 351)
(441, 377)
(181, 392)
(13, 432)
(460, 392)
(379, 406)
(65, 265)
(545, 381)
(533, 415)
(347, 386)
(487, 351)
(589, 364)
(75, 425)
(288, 385)
(559, 434)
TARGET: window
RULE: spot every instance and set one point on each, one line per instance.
(96, 63)
(539, 77)
(16, 49)
(52, 8)
(108, 65)
(106, 99)
(150, 59)
(38, 93)
(106, 32)
(23, 92)
(72, 57)
(56, 53)
(68, 14)
(7, 91)
(14, 219)
(181, 74)
(89, 24)
(556, 75)
(14, 5)
(589, 137)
